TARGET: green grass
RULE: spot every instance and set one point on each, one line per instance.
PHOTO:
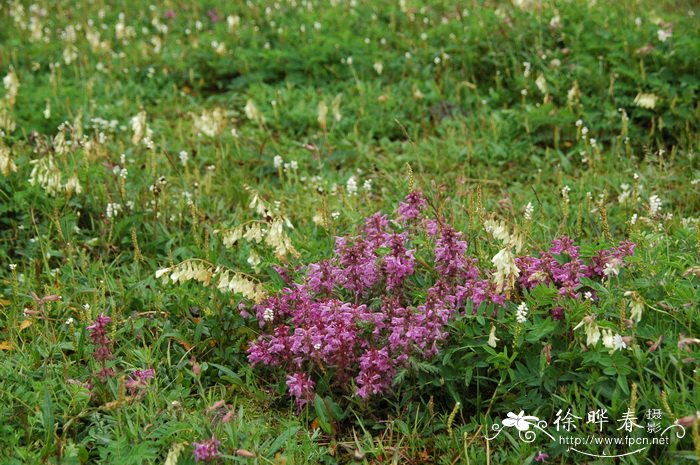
(452, 112)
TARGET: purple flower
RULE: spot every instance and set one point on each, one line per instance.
(376, 230)
(557, 313)
(169, 14)
(376, 373)
(400, 262)
(565, 245)
(271, 349)
(541, 457)
(105, 373)
(214, 15)
(411, 207)
(612, 256)
(206, 450)
(139, 380)
(357, 316)
(301, 387)
(98, 331)
(322, 277)
(432, 227)
(284, 274)
(103, 346)
(358, 271)
(449, 252)
(561, 265)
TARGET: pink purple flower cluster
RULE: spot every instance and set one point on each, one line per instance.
(139, 380)
(103, 346)
(363, 313)
(563, 266)
(206, 450)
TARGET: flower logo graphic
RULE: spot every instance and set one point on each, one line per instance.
(521, 421)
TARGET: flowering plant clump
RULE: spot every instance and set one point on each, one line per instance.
(388, 294)
(103, 345)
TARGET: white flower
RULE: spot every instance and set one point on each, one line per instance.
(113, 209)
(492, 337)
(13, 266)
(351, 185)
(654, 205)
(184, 156)
(618, 342)
(367, 186)
(232, 22)
(277, 161)
(663, 34)
(636, 305)
(646, 100)
(527, 212)
(7, 165)
(625, 193)
(498, 230)
(69, 321)
(541, 84)
(378, 67)
(254, 260)
(565, 193)
(73, 185)
(613, 341)
(592, 329)
(612, 267)
(521, 315)
(506, 270)
(268, 314)
(252, 112)
(11, 84)
(140, 128)
(46, 174)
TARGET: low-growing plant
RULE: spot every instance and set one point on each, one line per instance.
(389, 298)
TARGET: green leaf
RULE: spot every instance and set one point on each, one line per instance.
(47, 416)
(283, 438)
(540, 330)
(228, 373)
(323, 415)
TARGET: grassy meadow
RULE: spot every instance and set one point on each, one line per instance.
(348, 231)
